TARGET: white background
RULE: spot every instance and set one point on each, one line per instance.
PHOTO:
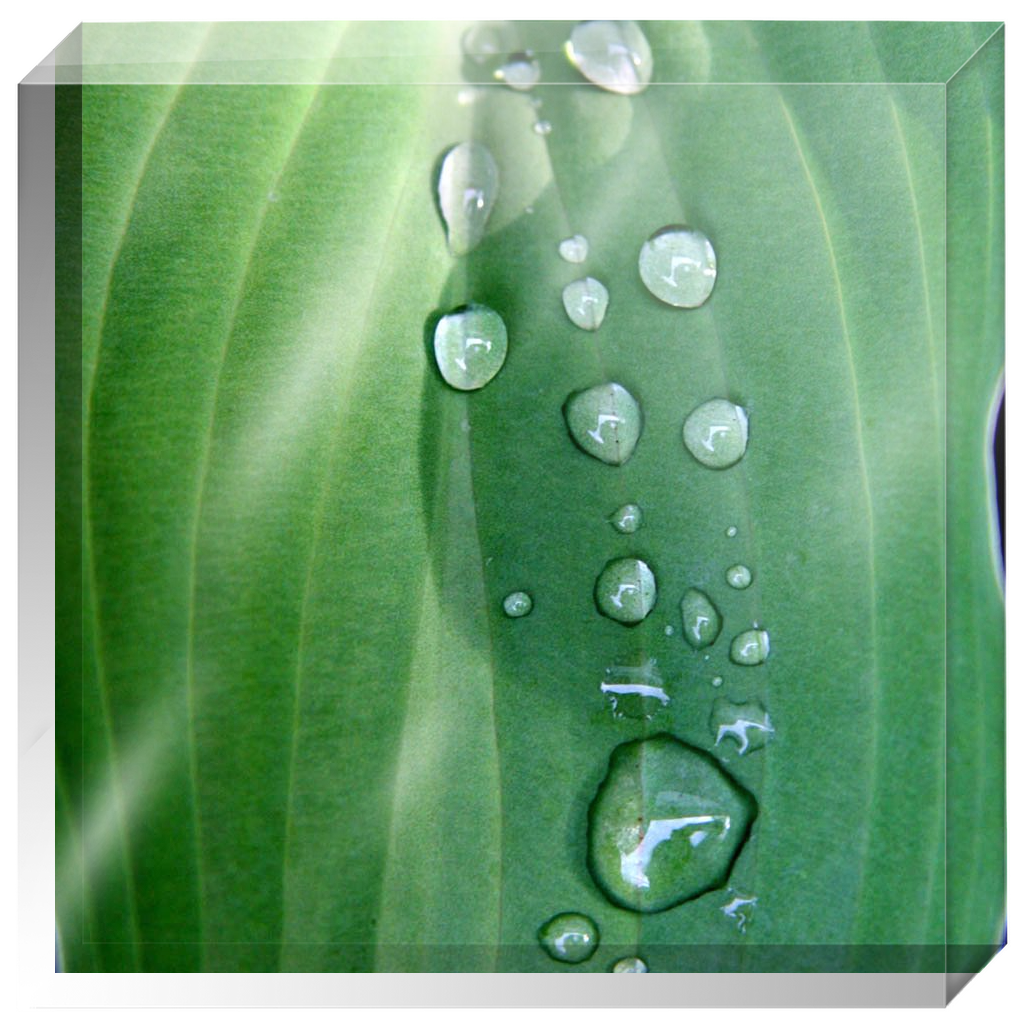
(30, 31)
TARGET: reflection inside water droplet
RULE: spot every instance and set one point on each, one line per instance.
(678, 265)
(521, 72)
(517, 604)
(614, 55)
(467, 190)
(628, 518)
(605, 421)
(738, 576)
(570, 938)
(715, 433)
(635, 691)
(573, 250)
(747, 724)
(629, 965)
(470, 345)
(701, 620)
(625, 591)
(750, 647)
(586, 302)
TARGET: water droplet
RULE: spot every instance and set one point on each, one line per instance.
(670, 631)
(486, 40)
(542, 127)
(470, 345)
(738, 576)
(521, 72)
(701, 620)
(716, 433)
(574, 250)
(678, 266)
(625, 590)
(612, 54)
(517, 604)
(629, 965)
(468, 96)
(666, 824)
(605, 421)
(731, 531)
(739, 908)
(750, 647)
(571, 938)
(586, 302)
(467, 189)
(635, 691)
(717, 681)
(748, 724)
(628, 518)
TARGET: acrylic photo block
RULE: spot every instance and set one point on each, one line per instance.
(526, 502)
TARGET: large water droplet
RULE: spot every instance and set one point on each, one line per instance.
(635, 691)
(678, 266)
(738, 577)
(467, 189)
(586, 302)
(613, 54)
(625, 590)
(521, 72)
(747, 724)
(629, 965)
(571, 938)
(574, 250)
(716, 433)
(701, 621)
(605, 421)
(470, 345)
(750, 647)
(628, 518)
(517, 604)
(666, 824)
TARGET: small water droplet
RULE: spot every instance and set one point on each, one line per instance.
(701, 620)
(486, 40)
(665, 825)
(716, 433)
(521, 72)
(731, 531)
(747, 724)
(628, 518)
(571, 938)
(678, 266)
(625, 591)
(586, 302)
(738, 577)
(614, 55)
(468, 96)
(739, 908)
(750, 647)
(470, 345)
(635, 691)
(629, 965)
(467, 189)
(670, 631)
(717, 681)
(605, 421)
(574, 250)
(542, 127)
(517, 604)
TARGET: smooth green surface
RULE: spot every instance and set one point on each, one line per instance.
(295, 728)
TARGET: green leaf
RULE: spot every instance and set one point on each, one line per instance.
(296, 730)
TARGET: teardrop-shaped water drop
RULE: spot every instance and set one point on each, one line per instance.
(605, 421)
(612, 54)
(520, 72)
(626, 591)
(739, 577)
(678, 265)
(470, 345)
(629, 965)
(467, 189)
(628, 518)
(701, 620)
(715, 433)
(586, 302)
(666, 824)
(747, 725)
(750, 647)
(517, 604)
(570, 938)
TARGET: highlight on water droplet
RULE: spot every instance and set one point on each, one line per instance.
(739, 577)
(517, 604)
(586, 302)
(666, 824)
(747, 724)
(626, 591)
(716, 681)
(627, 518)
(574, 250)
(605, 421)
(715, 433)
(487, 40)
(520, 72)
(467, 189)
(542, 127)
(629, 965)
(678, 265)
(750, 647)
(470, 345)
(731, 531)
(570, 938)
(635, 691)
(614, 55)
(701, 620)
(740, 909)
(670, 631)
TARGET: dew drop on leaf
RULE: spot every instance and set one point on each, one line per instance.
(701, 620)
(517, 604)
(520, 72)
(614, 55)
(586, 302)
(715, 433)
(487, 40)
(629, 965)
(542, 127)
(574, 250)
(467, 189)
(628, 518)
(605, 421)
(470, 345)
(739, 577)
(678, 265)
(570, 938)
(731, 531)
(635, 691)
(666, 824)
(626, 591)
(747, 725)
(750, 647)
